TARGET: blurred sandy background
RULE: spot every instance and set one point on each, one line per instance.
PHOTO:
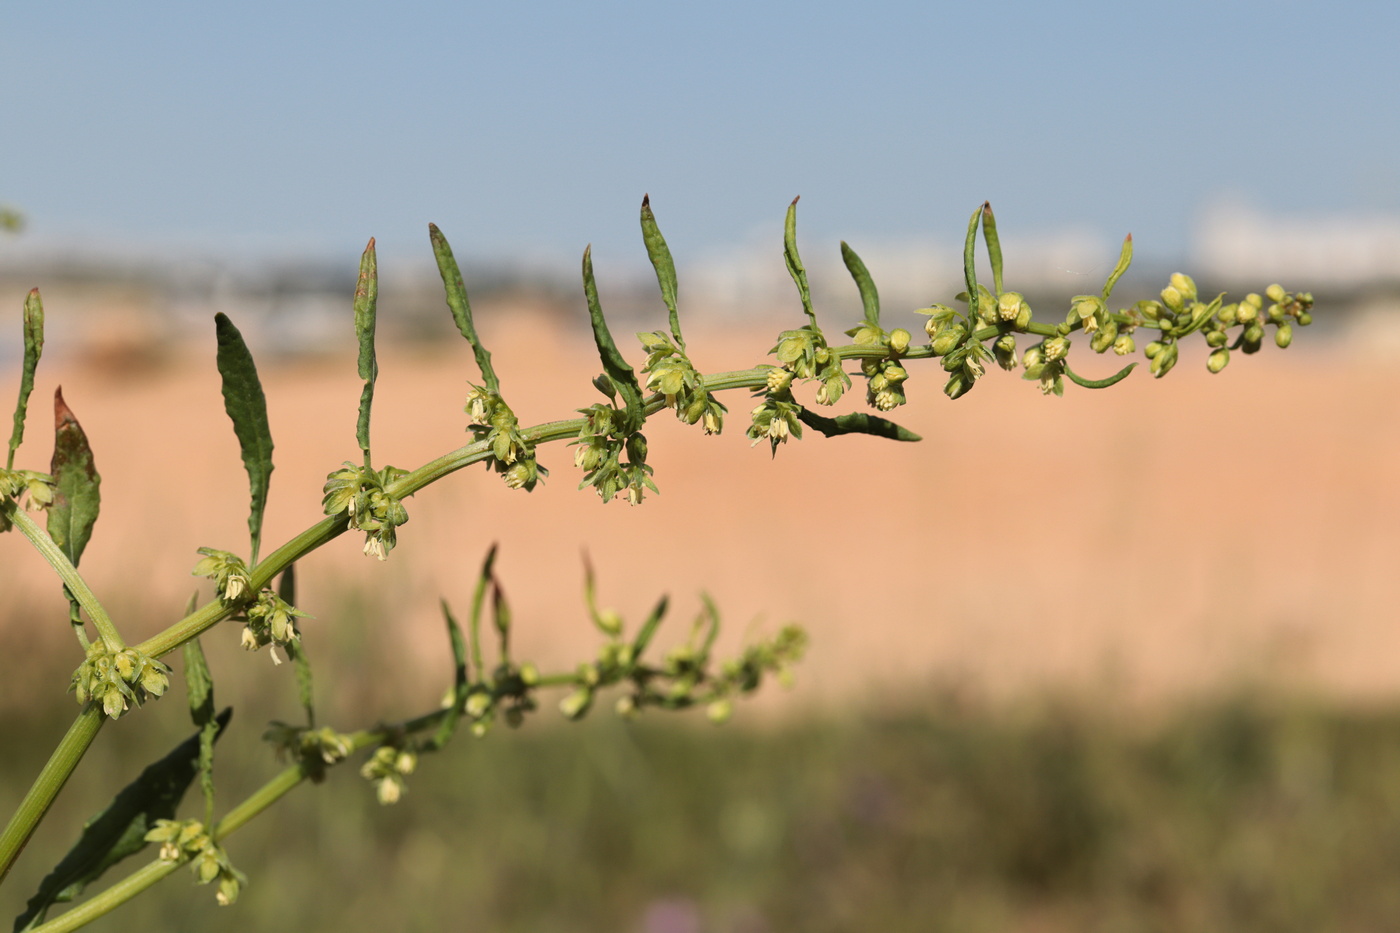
(1156, 540)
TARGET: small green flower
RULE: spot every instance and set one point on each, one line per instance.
(228, 571)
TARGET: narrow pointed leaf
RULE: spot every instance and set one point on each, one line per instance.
(617, 368)
(448, 726)
(989, 234)
(857, 422)
(649, 627)
(306, 688)
(1125, 258)
(366, 301)
(33, 349)
(869, 296)
(199, 685)
(794, 261)
(500, 612)
(460, 307)
(665, 266)
(483, 581)
(247, 409)
(1099, 383)
(969, 267)
(77, 496)
(120, 829)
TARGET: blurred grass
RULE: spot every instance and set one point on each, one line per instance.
(1242, 814)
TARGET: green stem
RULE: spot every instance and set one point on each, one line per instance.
(46, 786)
(70, 750)
(67, 573)
(110, 899)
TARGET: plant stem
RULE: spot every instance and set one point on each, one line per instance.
(46, 786)
(52, 553)
(70, 750)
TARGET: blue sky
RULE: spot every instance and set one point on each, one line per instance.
(527, 130)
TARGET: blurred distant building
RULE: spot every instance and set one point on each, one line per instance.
(1335, 253)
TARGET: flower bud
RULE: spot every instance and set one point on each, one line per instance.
(1104, 336)
(637, 449)
(1164, 360)
(1004, 349)
(1009, 306)
(1172, 298)
(948, 339)
(1184, 285)
(1284, 335)
(1218, 360)
(575, 705)
(1247, 312)
(899, 340)
(719, 711)
(1253, 338)
(1275, 292)
(1216, 338)
(1152, 349)
(1124, 345)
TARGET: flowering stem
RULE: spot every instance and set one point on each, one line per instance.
(52, 553)
(75, 743)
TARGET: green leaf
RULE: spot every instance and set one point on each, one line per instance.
(460, 307)
(306, 692)
(448, 726)
(77, 496)
(500, 612)
(247, 409)
(649, 627)
(665, 266)
(794, 261)
(199, 685)
(366, 299)
(1125, 258)
(483, 581)
(120, 829)
(614, 364)
(857, 422)
(33, 349)
(969, 264)
(1099, 383)
(869, 297)
(989, 234)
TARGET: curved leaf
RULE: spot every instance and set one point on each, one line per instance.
(869, 296)
(857, 422)
(794, 261)
(460, 307)
(665, 266)
(33, 349)
(1099, 383)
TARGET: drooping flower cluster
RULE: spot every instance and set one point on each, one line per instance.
(118, 680)
(599, 452)
(32, 490)
(188, 839)
(491, 420)
(360, 493)
(386, 770)
(671, 373)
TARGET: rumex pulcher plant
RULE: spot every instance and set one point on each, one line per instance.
(366, 495)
